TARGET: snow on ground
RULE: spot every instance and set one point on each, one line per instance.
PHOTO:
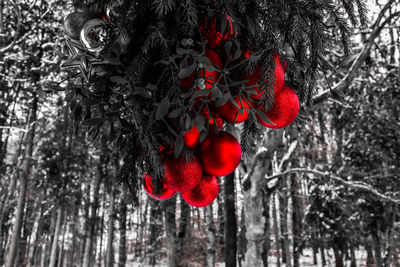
(306, 260)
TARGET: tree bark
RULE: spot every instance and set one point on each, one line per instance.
(183, 230)
(370, 254)
(296, 222)
(283, 205)
(276, 231)
(230, 221)
(221, 222)
(122, 229)
(61, 253)
(266, 196)
(155, 230)
(211, 237)
(377, 248)
(91, 222)
(253, 203)
(110, 234)
(53, 256)
(25, 173)
(169, 207)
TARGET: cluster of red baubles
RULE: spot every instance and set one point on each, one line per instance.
(220, 153)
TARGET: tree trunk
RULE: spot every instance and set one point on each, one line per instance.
(230, 221)
(122, 229)
(266, 196)
(211, 238)
(183, 230)
(25, 173)
(53, 256)
(61, 250)
(169, 208)
(253, 207)
(155, 230)
(283, 205)
(353, 262)
(370, 254)
(110, 234)
(253, 202)
(377, 248)
(276, 231)
(296, 221)
(242, 242)
(221, 222)
(338, 256)
(39, 226)
(91, 221)
(322, 250)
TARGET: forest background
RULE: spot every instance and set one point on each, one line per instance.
(329, 195)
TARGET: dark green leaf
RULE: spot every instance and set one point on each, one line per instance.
(187, 71)
(178, 145)
(200, 122)
(162, 108)
(222, 100)
(175, 113)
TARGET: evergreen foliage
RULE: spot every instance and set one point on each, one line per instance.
(136, 98)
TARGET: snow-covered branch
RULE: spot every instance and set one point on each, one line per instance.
(377, 27)
(352, 184)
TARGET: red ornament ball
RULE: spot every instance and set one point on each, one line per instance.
(180, 175)
(204, 194)
(148, 186)
(229, 111)
(220, 154)
(191, 138)
(256, 77)
(284, 111)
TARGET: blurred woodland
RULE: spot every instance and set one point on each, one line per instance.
(323, 192)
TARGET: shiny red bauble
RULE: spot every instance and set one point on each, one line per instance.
(284, 111)
(254, 80)
(192, 137)
(180, 175)
(230, 112)
(220, 154)
(148, 186)
(204, 194)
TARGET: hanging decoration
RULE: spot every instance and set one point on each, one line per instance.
(145, 84)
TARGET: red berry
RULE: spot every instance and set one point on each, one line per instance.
(148, 186)
(284, 111)
(204, 194)
(220, 154)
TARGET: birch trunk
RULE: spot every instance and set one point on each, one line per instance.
(25, 173)
(110, 234)
(91, 221)
(211, 237)
(53, 256)
(230, 221)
